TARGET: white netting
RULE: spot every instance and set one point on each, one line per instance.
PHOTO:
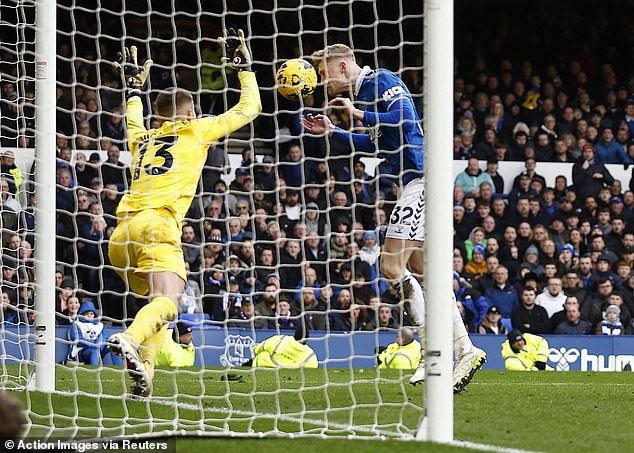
(310, 235)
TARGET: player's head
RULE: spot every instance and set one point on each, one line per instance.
(175, 103)
(337, 67)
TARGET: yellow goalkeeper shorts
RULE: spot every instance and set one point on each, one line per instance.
(146, 241)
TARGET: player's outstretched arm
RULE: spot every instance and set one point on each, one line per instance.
(321, 124)
(134, 78)
(238, 57)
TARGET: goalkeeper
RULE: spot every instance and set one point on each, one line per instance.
(167, 163)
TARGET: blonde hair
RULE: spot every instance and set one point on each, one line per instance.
(333, 51)
(173, 101)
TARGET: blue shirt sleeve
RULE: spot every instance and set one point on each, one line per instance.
(359, 142)
(398, 110)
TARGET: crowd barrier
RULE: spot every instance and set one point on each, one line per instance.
(233, 347)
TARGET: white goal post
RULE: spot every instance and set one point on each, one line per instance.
(347, 394)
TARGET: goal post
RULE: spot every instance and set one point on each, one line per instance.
(239, 214)
(45, 113)
(438, 122)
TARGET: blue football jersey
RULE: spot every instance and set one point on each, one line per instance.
(393, 125)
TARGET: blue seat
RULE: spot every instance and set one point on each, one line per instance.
(194, 319)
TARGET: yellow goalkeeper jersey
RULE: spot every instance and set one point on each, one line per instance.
(167, 161)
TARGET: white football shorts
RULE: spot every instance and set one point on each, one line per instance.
(408, 216)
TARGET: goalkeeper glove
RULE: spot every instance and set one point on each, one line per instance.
(128, 67)
(236, 53)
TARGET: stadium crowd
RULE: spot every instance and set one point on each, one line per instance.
(297, 236)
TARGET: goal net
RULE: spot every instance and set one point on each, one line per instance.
(281, 237)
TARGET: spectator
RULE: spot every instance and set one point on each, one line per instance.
(528, 316)
(7, 199)
(553, 298)
(471, 178)
(530, 166)
(589, 175)
(84, 173)
(350, 319)
(370, 251)
(215, 292)
(191, 247)
(523, 190)
(573, 324)
(267, 304)
(265, 176)
(476, 267)
(285, 319)
(290, 269)
(502, 294)
(87, 336)
(608, 150)
(470, 298)
(492, 171)
(462, 225)
(9, 311)
(115, 172)
(291, 168)
(340, 212)
(476, 236)
(313, 312)
(191, 300)
(543, 146)
(314, 221)
(595, 305)
(11, 172)
(492, 322)
(611, 324)
(246, 317)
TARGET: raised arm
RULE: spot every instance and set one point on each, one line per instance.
(237, 55)
(134, 117)
(134, 77)
(241, 114)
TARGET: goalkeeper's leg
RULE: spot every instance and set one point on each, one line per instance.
(146, 249)
(151, 348)
(148, 323)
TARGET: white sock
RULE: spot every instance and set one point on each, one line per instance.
(461, 342)
(413, 299)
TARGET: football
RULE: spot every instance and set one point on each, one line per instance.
(296, 79)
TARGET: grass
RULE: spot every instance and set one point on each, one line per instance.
(553, 412)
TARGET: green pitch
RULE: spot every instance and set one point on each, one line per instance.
(554, 412)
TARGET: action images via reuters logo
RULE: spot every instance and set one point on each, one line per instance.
(566, 359)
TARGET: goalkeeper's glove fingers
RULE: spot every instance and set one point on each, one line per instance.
(237, 54)
(128, 67)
